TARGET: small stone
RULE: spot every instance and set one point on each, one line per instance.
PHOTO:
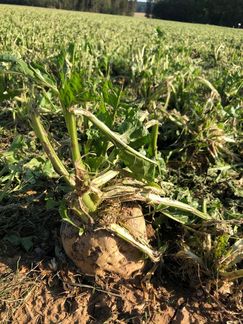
(199, 293)
(39, 252)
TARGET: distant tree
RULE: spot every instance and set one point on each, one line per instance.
(141, 6)
(120, 7)
(218, 12)
(149, 8)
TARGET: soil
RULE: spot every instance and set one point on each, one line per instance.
(53, 291)
(39, 284)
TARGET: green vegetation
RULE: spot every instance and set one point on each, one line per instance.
(132, 109)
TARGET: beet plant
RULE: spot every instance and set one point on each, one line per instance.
(114, 169)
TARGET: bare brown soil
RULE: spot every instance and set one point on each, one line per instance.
(139, 14)
(52, 291)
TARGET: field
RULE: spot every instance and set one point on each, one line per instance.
(157, 108)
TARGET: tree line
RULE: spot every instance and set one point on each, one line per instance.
(217, 12)
(141, 6)
(119, 7)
